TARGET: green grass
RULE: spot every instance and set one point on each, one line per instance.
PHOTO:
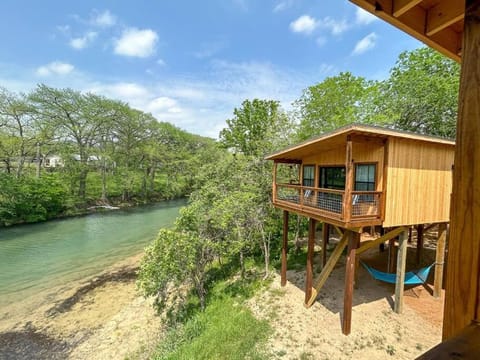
(226, 330)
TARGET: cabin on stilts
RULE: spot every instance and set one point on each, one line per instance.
(453, 28)
(361, 176)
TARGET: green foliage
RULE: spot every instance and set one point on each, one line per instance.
(226, 330)
(255, 126)
(421, 94)
(29, 199)
(335, 102)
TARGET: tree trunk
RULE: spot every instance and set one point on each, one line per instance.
(104, 181)
(82, 181)
(39, 162)
(266, 253)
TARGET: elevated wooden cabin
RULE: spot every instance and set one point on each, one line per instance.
(453, 28)
(361, 175)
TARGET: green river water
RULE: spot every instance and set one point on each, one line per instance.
(39, 256)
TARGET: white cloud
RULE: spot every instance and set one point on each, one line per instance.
(82, 42)
(103, 19)
(136, 42)
(365, 44)
(304, 24)
(283, 5)
(209, 49)
(336, 27)
(161, 62)
(55, 68)
(363, 17)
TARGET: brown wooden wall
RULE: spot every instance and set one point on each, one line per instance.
(419, 182)
(363, 151)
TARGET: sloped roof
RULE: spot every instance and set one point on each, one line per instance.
(339, 136)
(437, 23)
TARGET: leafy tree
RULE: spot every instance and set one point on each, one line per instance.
(335, 102)
(250, 130)
(421, 94)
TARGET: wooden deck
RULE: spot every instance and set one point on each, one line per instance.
(360, 208)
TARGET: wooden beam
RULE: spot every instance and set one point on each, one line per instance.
(400, 7)
(347, 196)
(338, 230)
(353, 241)
(283, 272)
(419, 243)
(439, 259)
(310, 248)
(464, 345)
(390, 235)
(325, 235)
(462, 287)
(400, 279)
(444, 14)
(326, 271)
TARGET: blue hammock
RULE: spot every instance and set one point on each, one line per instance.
(415, 277)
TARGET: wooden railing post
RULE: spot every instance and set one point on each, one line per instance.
(274, 185)
(347, 199)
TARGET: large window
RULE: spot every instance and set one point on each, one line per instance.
(332, 177)
(308, 175)
(365, 177)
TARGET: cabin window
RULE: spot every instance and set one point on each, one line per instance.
(308, 175)
(365, 177)
(332, 177)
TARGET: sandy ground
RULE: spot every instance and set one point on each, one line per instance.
(99, 318)
(105, 318)
(377, 332)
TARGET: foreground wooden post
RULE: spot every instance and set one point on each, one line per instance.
(325, 234)
(462, 287)
(309, 273)
(391, 255)
(400, 280)
(439, 259)
(353, 241)
(419, 243)
(283, 272)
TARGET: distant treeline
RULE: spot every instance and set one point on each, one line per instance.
(62, 150)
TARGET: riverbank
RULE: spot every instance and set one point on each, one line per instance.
(101, 317)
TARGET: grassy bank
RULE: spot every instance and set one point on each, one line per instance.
(225, 330)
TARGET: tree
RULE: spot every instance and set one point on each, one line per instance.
(78, 119)
(250, 130)
(421, 93)
(335, 102)
(18, 129)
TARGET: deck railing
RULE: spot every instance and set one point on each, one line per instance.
(329, 202)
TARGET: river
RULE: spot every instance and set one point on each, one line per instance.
(35, 257)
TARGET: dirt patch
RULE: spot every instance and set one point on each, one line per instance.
(98, 318)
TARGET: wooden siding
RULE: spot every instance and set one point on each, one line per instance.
(419, 182)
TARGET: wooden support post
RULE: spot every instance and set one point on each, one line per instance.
(439, 260)
(409, 234)
(385, 237)
(391, 255)
(283, 273)
(419, 243)
(353, 241)
(327, 270)
(400, 280)
(462, 286)
(325, 235)
(347, 199)
(309, 273)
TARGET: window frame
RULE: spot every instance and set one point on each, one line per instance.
(375, 176)
(341, 166)
(303, 175)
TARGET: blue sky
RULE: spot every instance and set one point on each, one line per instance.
(191, 62)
